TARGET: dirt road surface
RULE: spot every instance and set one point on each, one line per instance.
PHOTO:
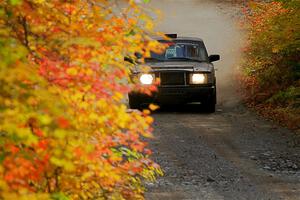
(233, 153)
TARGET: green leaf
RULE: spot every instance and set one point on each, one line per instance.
(15, 2)
(59, 196)
(2, 157)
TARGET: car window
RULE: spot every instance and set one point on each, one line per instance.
(182, 50)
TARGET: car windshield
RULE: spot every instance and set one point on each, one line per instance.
(181, 51)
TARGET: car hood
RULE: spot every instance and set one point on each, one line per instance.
(180, 66)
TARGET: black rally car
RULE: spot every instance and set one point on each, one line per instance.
(185, 71)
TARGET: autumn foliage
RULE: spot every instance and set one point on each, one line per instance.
(65, 132)
(271, 68)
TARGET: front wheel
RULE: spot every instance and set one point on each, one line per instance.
(210, 104)
(134, 103)
(210, 107)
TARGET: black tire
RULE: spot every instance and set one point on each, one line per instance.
(134, 103)
(210, 107)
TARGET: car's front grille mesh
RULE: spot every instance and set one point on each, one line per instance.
(172, 78)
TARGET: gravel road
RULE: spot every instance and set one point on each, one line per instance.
(233, 153)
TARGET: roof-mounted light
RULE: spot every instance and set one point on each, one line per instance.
(173, 35)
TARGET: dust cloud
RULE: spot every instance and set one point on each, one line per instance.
(219, 31)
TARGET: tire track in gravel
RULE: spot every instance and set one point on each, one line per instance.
(194, 166)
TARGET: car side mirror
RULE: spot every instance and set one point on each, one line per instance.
(134, 59)
(128, 59)
(138, 55)
(213, 58)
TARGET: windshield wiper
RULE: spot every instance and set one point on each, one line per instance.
(185, 58)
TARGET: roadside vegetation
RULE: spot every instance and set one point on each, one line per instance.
(65, 132)
(271, 68)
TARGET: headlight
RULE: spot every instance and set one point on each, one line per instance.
(147, 79)
(198, 78)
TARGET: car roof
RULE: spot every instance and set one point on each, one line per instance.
(182, 38)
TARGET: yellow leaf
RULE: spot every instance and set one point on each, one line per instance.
(45, 119)
(146, 111)
(72, 71)
(149, 119)
(153, 107)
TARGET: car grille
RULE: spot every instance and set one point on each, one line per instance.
(172, 78)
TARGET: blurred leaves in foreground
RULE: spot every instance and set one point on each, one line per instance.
(65, 132)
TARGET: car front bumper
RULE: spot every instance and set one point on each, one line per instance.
(177, 94)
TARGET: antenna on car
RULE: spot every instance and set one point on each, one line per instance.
(172, 35)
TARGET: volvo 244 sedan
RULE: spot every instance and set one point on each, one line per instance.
(186, 75)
